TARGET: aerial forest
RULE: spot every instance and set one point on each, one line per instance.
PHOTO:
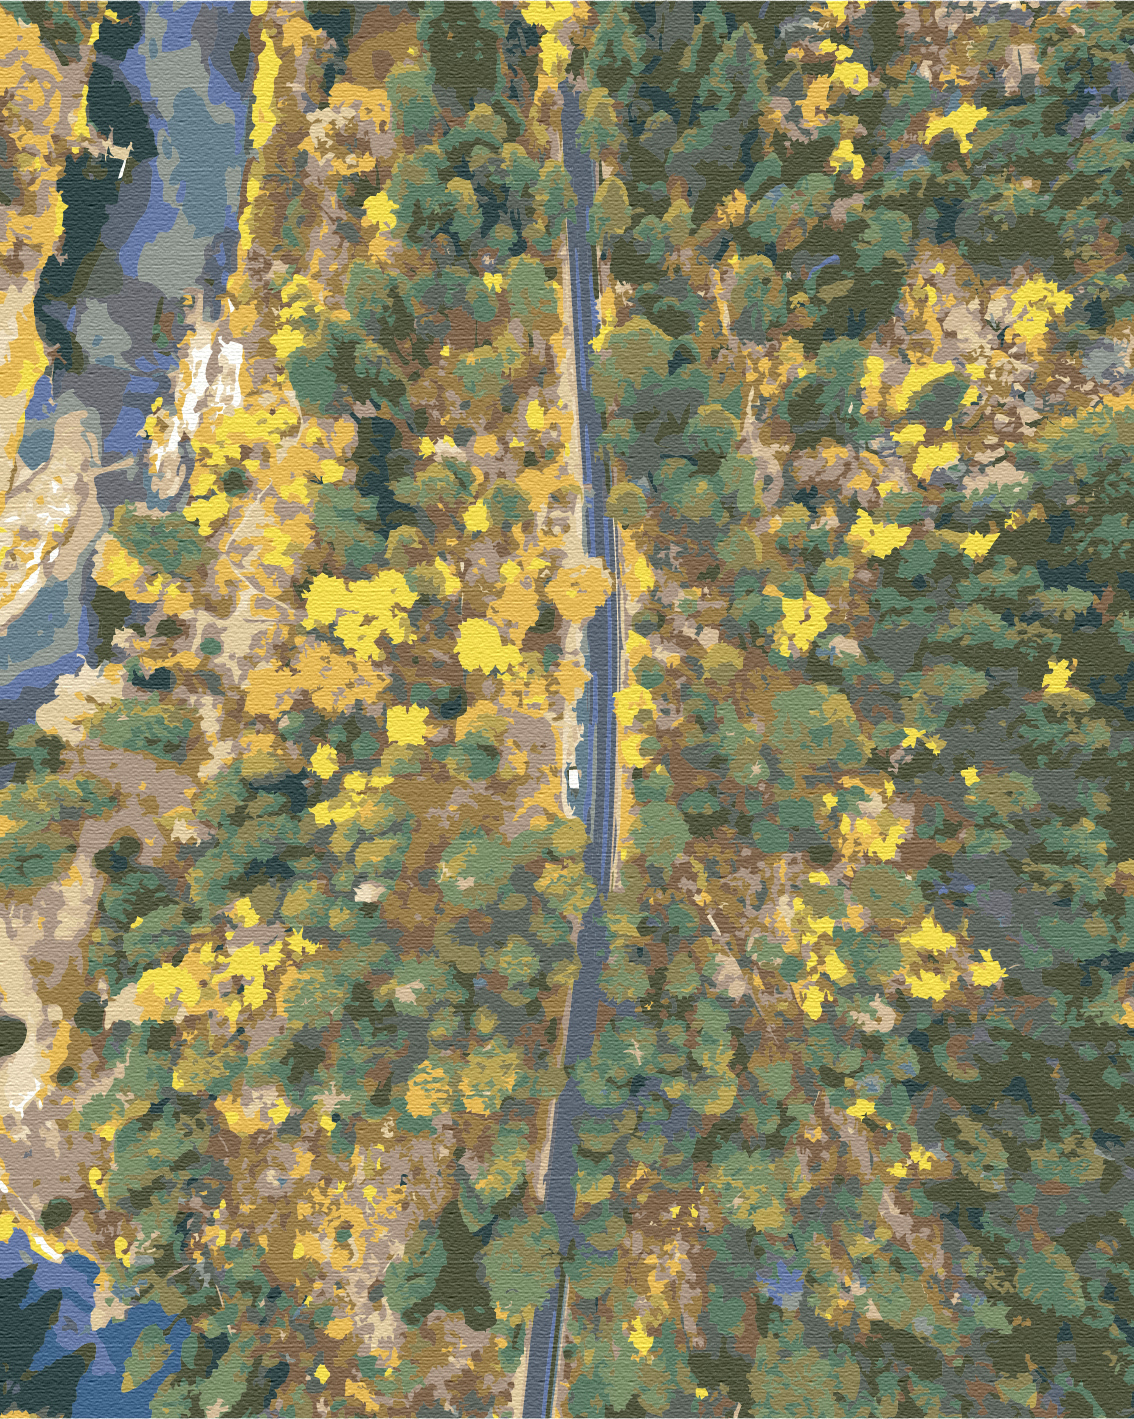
(297, 872)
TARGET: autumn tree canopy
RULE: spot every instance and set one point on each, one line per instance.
(856, 1127)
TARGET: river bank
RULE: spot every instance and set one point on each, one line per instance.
(149, 237)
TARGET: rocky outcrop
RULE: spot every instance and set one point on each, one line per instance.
(209, 378)
(50, 517)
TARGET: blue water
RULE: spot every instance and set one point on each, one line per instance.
(100, 1389)
(174, 227)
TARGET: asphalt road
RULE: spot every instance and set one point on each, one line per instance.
(598, 765)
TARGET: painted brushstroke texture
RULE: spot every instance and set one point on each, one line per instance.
(565, 642)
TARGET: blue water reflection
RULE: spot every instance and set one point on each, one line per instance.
(99, 1390)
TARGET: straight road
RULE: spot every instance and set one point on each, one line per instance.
(598, 765)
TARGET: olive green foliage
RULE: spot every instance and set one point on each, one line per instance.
(399, 1028)
(855, 1122)
(894, 1185)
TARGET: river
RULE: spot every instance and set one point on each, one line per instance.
(140, 240)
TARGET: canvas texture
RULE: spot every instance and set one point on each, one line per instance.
(566, 708)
